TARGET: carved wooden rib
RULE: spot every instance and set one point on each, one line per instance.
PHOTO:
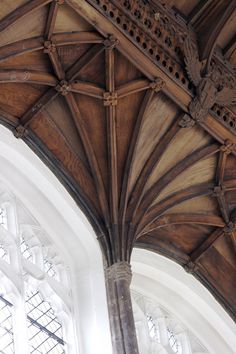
(184, 218)
(87, 88)
(132, 152)
(28, 76)
(174, 199)
(47, 97)
(83, 61)
(78, 121)
(52, 14)
(170, 175)
(132, 87)
(198, 252)
(20, 12)
(150, 164)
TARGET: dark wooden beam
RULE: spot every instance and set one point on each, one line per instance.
(200, 250)
(94, 51)
(22, 11)
(37, 43)
(44, 100)
(132, 87)
(88, 89)
(52, 14)
(110, 106)
(184, 218)
(28, 77)
(51, 50)
(221, 168)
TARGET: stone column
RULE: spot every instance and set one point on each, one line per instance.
(118, 279)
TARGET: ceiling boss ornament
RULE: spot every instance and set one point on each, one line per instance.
(214, 85)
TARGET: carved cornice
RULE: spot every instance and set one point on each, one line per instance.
(162, 35)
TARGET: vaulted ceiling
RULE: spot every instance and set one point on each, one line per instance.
(131, 104)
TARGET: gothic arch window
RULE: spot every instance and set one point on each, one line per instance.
(35, 297)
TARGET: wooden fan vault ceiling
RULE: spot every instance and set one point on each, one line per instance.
(131, 104)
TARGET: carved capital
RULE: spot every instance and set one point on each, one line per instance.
(186, 121)
(111, 42)
(218, 191)
(157, 85)
(19, 132)
(197, 112)
(63, 87)
(204, 100)
(49, 47)
(230, 227)
(228, 147)
(190, 267)
(110, 99)
(120, 271)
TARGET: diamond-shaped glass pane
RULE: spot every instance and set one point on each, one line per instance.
(25, 250)
(4, 254)
(50, 268)
(153, 329)
(174, 343)
(3, 217)
(45, 331)
(6, 332)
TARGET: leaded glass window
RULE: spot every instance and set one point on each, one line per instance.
(3, 217)
(153, 329)
(3, 253)
(25, 250)
(6, 330)
(50, 268)
(174, 343)
(45, 331)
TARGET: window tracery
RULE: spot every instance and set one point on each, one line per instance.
(159, 332)
(35, 303)
(6, 327)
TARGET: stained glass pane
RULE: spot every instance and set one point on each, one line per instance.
(45, 331)
(6, 331)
